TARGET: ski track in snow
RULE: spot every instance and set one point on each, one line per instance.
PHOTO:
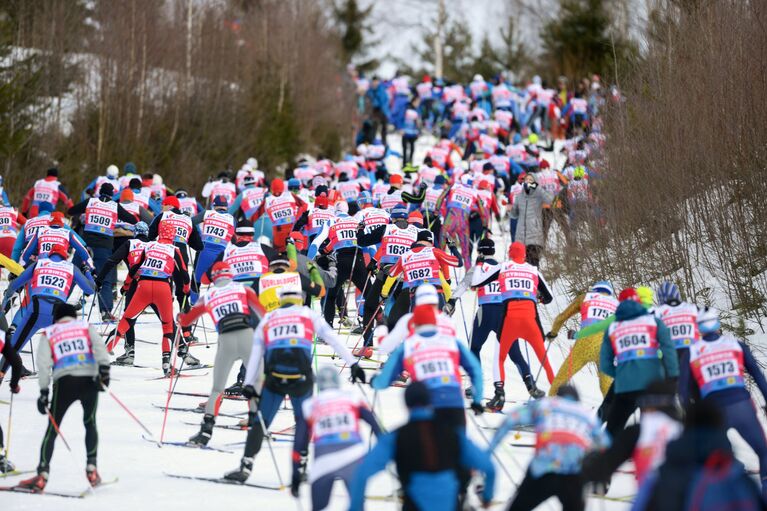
(140, 464)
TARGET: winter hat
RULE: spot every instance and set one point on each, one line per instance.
(426, 294)
(294, 184)
(603, 287)
(708, 320)
(628, 294)
(424, 315)
(321, 201)
(134, 184)
(181, 194)
(57, 218)
(517, 252)
(299, 240)
(172, 202)
(425, 235)
(220, 202)
(364, 198)
(277, 186)
(52, 172)
(417, 395)
(487, 166)
(45, 207)
(141, 229)
(244, 228)
(59, 250)
(398, 211)
(395, 179)
(568, 392)
(668, 293)
(440, 180)
(64, 310)
(544, 164)
(221, 270)
(660, 394)
(126, 195)
(645, 296)
(129, 168)
(486, 247)
(112, 172)
(107, 190)
(415, 217)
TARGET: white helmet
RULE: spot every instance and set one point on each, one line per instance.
(113, 172)
(252, 162)
(426, 294)
(478, 78)
(342, 207)
(157, 179)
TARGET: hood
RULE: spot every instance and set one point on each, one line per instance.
(629, 310)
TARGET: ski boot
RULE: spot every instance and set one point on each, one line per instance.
(92, 474)
(26, 372)
(363, 352)
(188, 358)
(166, 363)
(469, 392)
(241, 475)
(34, 484)
(532, 389)
(206, 431)
(108, 317)
(5, 465)
(234, 390)
(499, 399)
(126, 359)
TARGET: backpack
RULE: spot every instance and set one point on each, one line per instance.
(722, 483)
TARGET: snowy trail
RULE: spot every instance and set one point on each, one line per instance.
(140, 465)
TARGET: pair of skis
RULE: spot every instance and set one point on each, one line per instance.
(81, 495)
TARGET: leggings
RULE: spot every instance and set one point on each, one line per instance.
(741, 416)
(351, 266)
(205, 260)
(232, 346)
(268, 406)
(457, 226)
(533, 491)
(322, 487)
(488, 319)
(67, 390)
(584, 351)
(520, 322)
(155, 293)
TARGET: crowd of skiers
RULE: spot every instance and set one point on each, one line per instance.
(390, 254)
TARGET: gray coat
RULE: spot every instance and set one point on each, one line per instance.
(528, 210)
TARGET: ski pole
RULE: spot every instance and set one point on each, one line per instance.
(170, 383)
(56, 427)
(361, 337)
(484, 437)
(348, 285)
(130, 414)
(269, 444)
(8, 439)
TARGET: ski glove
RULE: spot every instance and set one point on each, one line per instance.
(103, 377)
(249, 392)
(16, 389)
(358, 374)
(449, 307)
(551, 336)
(42, 402)
(477, 408)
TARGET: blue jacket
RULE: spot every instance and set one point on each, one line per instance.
(634, 375)
(85, 281)
(75, 241)
(432, 491)
(443, 396)
(379, 98)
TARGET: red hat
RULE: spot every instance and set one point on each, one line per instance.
(628, 294)
(171, 201)
(415, 217)
(395, 179)
(126, 195)
(57, 218)
(521, 177)
(485, 185)
(321, 201)
(517, 252)
(544, 164)
(299, 240)
(221, 270)
(277, 186)
(424, 314)
(60, 250)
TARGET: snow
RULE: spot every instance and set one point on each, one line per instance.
(140, 465)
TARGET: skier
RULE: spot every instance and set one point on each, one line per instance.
(489, 318)
(433, 358)
(282, 208)
(245, 255)
(460, 202)
(565, 431)
(715, 369)
(282, 345)
(521, 285)
(217, 229)
(234, 309)
(595, 305)
(111, 176)
(680, 317)
(101, 216)
(249, 200)
(333, 419)
(312, 222)
(636, 350)
(160, 262)
(48, 190)
(55, 233)
(74, 351)
(51, 281)
(11, 222)
(13, 358)
(430, 457)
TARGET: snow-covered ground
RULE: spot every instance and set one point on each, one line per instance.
(140, 465)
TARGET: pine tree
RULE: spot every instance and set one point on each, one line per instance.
(352, 21)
